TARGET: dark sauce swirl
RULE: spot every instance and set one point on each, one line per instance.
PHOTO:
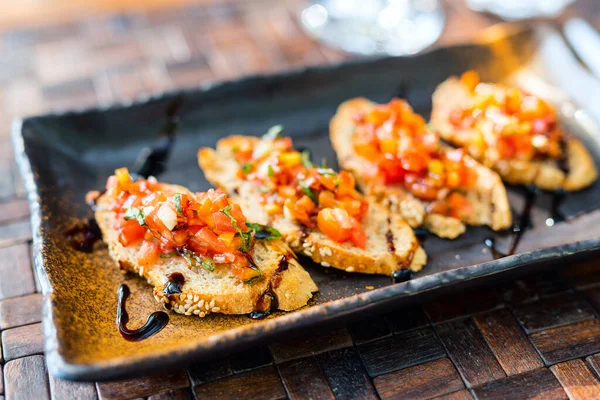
(264, 309)
(524, 224)
(154, 323)
(82, 237)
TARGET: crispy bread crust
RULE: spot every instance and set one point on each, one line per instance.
(220, 168)
(218, 291)
(544, 174)
(488, 197)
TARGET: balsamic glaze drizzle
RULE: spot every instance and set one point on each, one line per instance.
(175, 282)
(82, 237)
(524, 224)
(264, 310)
(401, 275)
(154, 324)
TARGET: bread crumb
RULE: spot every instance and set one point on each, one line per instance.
(370, 287)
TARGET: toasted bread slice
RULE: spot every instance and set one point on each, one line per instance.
(545, 174)
(488, 196)
(391, 244)
(217, 291)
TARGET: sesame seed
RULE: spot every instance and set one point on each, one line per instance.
(186, 306)
(196, 298)
(308, 253)
(207, 306)
(141, 271)
(370, 287)
(188, 313)
(182, 296)
(196, 312)
(212, 303)
(350, 269)
(202, 314)
(190, 296)
(325, 264)
(201, 303)
(306, 244)
(216, 309)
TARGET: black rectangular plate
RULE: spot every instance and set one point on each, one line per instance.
(62, 156)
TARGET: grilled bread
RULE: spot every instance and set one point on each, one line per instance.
(390, 243)
(487, 197)
(217, 291)
(571, 169)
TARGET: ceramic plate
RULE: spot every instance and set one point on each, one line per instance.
(62, 156)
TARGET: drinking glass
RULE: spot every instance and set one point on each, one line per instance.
(370, 27)
(520, 9)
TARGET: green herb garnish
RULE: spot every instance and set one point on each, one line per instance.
(274, 132)
(177, 198)
(264, 232)
(324, 164)
(171, 254)
(306, 159)
(256, 268)
(252, 280)
(196, 261)
(270, 171)
(326, 172)
(135, 213)
(309, 192)
(246, 236)
(247, 168)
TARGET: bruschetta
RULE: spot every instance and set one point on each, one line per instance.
(317, 210)
(222, 263)
(397, 159)
(513, 132)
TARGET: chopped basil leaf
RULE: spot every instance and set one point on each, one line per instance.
(256, 268)
(196, 261)
(135, 213)
(270, 171)
(306, 159)
(178, 203)
(326, 172)
(324, 164)
(171, 254)
(247, 168)
(264, 232)
(309, 192)
(246, 236)
(252, 280)
(274, 132)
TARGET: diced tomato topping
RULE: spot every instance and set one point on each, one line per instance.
(205, 224)
(516, 124)
(395, 142)
(292, 185)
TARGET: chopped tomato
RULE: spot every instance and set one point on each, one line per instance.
(335, 223)
(222, 223)
(358, 236)
(148, 254)
(130, 232)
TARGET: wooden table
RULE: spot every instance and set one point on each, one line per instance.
(538, 336)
